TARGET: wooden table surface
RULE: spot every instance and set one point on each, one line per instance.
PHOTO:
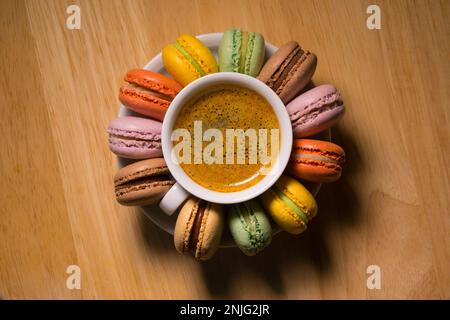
(391, 208)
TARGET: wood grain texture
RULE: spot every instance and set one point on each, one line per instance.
(391, 208)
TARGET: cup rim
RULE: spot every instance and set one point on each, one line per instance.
(285, 129)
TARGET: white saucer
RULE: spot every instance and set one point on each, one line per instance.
(154, 213)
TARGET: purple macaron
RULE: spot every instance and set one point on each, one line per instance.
(316, 110)
(135, 138)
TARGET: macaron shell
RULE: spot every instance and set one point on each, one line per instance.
(325, 101)
(322, 122)
(298, 77)
(154, 81)
(177, 65)
(229, 54)
(298, 194)
(199, 52)
(153, 103)
(136, 151)
(139, 169)
(210, 232)
(231, 59)
(282, 214)
(135, 138)
(141, 128)
(250, 244)
(255, 55)
(276, 60)
(143, 192)
(316, 161)
(143, 103)
(323, 173)
(184, 224)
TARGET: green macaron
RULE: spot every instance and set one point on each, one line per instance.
(249, 227)
(241, 51)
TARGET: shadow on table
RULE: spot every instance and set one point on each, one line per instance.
(308, 254)
(155, 238)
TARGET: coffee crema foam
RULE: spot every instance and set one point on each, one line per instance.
(226, 139)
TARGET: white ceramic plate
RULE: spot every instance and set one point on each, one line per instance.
(154, 213)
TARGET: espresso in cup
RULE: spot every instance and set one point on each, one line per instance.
(227, 138)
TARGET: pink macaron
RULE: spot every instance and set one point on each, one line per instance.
(135, 138)
(316, 110)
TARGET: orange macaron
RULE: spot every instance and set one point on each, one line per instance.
(316, 160)
(148, 93)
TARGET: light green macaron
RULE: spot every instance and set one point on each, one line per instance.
(249, 226)
(241, 51)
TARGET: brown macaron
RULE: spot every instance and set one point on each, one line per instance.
(142, 183)
(288, 70)
(199, 228)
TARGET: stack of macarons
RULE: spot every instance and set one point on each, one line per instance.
(288, 204)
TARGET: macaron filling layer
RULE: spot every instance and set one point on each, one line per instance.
(315, 112)
(237, 55)
(189, 58)
(243, 45)
(142, 183)
(197, 225)
(199, 52)
(133, 134)
(153, 81)
(123, 138)
(322, 105)
(290, 204)
(314, 157)
(147, 91)
(129, 141)
(134, 144)
(281, 74)
(252, 226)
(243, 51)
(144, 173)
(249, 50)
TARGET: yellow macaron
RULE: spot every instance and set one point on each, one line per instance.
(290, 204)
(188, 59)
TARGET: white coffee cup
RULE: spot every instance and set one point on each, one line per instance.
(184, 185)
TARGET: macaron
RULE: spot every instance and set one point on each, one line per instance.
(199, 228)
(315, 110)
(288, 70)
(241, 51)
(148, 93)
(142, 183)
(188, 59)
(289, 204)
(249, 226)
(135, 138)
(316, 160)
